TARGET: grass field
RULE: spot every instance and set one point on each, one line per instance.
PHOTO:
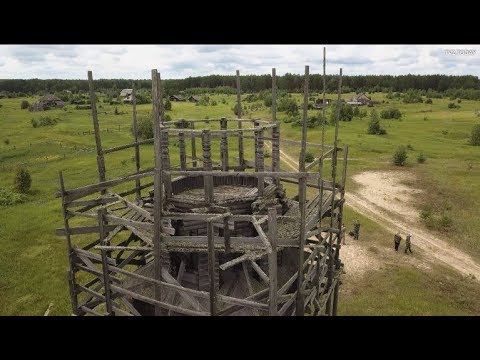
(33, 260)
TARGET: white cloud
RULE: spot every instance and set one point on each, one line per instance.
(179, 61)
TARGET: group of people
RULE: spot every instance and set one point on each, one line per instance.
(397, 238)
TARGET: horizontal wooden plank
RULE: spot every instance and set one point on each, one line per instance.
(84, 230)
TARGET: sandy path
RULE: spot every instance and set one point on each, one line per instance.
(383, 199)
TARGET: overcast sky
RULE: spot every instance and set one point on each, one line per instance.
(180, 61)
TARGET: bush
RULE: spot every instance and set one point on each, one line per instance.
(24, 104)
(391, 114)
(288, 105)
(421, 158)
(224, 101)
(412, 96)
(459, 101)
(374, 127)
(428, 101)
(145, 126)
(400, 156)
(8, 197)
(309, 157)
(213, 103)
(475, 136)
(453, 106)
(168, 104)
(23, 180)
(236, 109)
(44, 121)
(7, 141)
(267, 154)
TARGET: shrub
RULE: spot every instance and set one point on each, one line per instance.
(309, 157)
(409, 147)
(8, 197)
(453, 106)
(445, 221)
(412, 96)
(421, 158)
(224, 101)
(400, 156)
(213, 103)
(391, 113)
(475, 136)
(44, 121)
(459, 101)
(145, 126)
(23, 180)
(428, 101)
(236, 109)
(24, 104)
(168, 104)
(267, 154)
(7, 141)
(374, 127)
(288, 105)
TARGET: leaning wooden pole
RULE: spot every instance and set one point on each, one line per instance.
(71, 269)
(331, 260)
(323, 101)
(211, 269)
(158, 196)
(96, 127)
(340, 222)
(106, 274)
(137, 146)
(301, 200)
(241, 161)
(272, 261)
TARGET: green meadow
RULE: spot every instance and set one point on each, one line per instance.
(33, 260)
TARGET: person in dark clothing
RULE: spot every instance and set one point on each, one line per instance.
(408, 243)
(356, 229)
(397, 239)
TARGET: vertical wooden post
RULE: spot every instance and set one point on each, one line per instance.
(323, 101)
(224, 145)
(183, 154)
(331, 260)
(211, 269)
(167, 182)
(340, 222)
(301, 201)
(259, 159)
(272, 260)
(194, 148)
(276, 129)
(241, 161)
(207, 166)
(106, 276)
(71, 267)
(158, 191)
(137, 147)
(96, 127)
(274, 95)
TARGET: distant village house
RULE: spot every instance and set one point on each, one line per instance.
(176, 98)
(126, 94)
(194, 98)
(360, 99)
(318, 104)
(46, 102)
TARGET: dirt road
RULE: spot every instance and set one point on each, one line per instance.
(383, 198)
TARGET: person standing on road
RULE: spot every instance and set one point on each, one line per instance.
(342, 234)
(397, 238)
(408, 243)
(356, 229)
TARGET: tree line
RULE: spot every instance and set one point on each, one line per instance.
(254, 83)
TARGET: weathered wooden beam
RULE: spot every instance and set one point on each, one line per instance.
(260, 272)
(272, 260)
(239, 116)
(173, 297)
(207, 166)
(211, 270)
(98, 142)
(183, 155)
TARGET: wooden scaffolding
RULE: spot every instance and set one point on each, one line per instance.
(122, 240)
